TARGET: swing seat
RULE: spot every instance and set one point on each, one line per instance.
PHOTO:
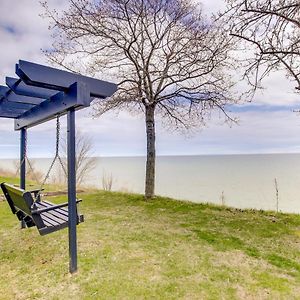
(46, 216)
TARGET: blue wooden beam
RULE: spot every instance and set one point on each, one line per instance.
(19, 107)
(50, 78)
(77, 96)
(20, 88)
(8, 113)
(12, 97)
(3, 90)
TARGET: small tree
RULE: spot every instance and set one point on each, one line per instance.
(32, 171)
(107, 181)
(85, 162)
(169, 60)
(272, 28)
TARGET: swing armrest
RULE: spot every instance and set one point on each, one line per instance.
(43, 210)
(35, 192)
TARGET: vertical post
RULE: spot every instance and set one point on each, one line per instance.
(23, 138)
(22, 158)
(72, 190)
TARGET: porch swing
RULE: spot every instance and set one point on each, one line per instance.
(29, 207)
(39, 94)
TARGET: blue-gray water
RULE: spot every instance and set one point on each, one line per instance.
(242, 181)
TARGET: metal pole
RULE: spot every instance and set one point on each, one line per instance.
(72, 191)
(23, 138)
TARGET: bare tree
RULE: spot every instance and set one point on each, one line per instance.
(272, 28)
(169, 60)
(32, 171)
(85, 162)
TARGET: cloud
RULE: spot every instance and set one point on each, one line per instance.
(256, 132)
(23, 33)
(266, 125)
(213, 6)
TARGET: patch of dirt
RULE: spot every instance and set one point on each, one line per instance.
(262, 294)
(238, 259)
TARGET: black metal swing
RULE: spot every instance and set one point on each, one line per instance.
(29, 207)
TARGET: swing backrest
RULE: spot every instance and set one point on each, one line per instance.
(17, 198)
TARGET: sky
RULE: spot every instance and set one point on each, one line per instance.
(266, 125)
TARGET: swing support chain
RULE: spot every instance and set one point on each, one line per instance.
(26, 159)
(56, 157)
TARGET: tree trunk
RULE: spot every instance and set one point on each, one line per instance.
(150, 164)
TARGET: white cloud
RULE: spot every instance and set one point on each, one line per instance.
(213, 6)
(268, 131)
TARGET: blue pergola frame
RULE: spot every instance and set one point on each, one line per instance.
(39, 94)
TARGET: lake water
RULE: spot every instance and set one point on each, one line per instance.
(242, 181)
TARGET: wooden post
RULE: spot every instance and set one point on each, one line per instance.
(72, 191)
(23, 138)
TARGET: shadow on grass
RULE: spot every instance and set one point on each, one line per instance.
(283, 263)
(223, 242)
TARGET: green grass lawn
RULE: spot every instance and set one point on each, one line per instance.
(163, 249)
